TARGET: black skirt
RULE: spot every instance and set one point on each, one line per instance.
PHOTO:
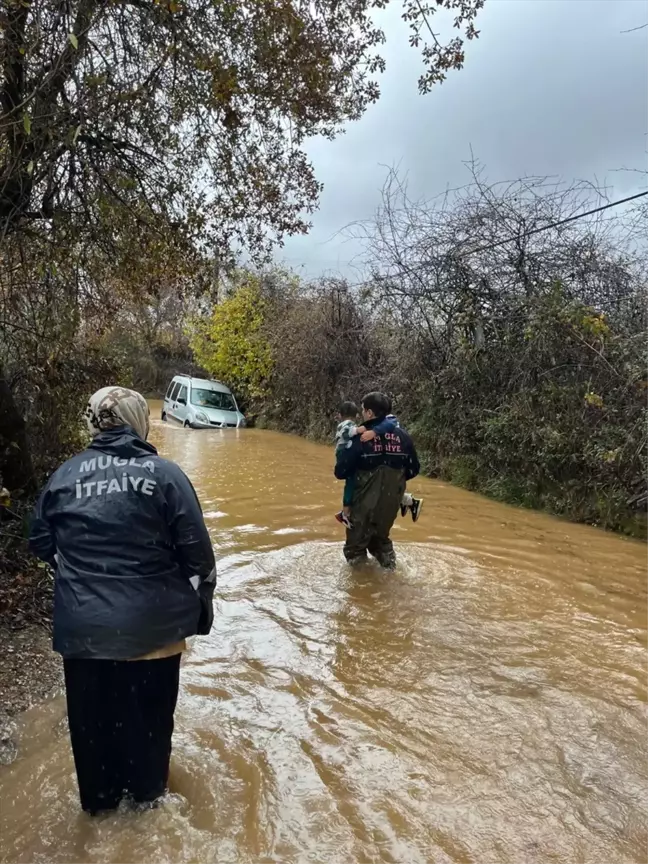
(121, 722)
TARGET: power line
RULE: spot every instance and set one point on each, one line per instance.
(515, 237)
(554, 224)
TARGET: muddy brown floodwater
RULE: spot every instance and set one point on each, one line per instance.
(485, 703)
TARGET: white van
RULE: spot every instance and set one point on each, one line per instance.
(201, 404)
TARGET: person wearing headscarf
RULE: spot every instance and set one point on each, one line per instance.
(134, 577)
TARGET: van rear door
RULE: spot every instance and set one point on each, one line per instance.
(167, 398)
(181, 404)
(172, 404)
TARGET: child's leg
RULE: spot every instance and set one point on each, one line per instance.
(406, 503)
(347, 499)
(349, 488)
(417, 504)
(409, 502)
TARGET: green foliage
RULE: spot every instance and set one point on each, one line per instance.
(163, 130)
(551, 414)
(230, 344)
(146, 97)
(463, 471)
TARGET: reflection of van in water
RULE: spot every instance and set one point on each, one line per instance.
(201, 404)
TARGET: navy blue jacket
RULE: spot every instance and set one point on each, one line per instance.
(393, 448)
(128, 534)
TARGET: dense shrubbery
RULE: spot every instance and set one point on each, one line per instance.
(520, 370)
(551, 416)
(554, 417)
(230, 342)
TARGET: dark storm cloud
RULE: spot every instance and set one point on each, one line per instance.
(550, 87)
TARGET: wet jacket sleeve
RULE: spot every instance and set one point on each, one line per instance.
(384, 426)
(191, 541)
(42, 542)
(347, 460)
(413, 465)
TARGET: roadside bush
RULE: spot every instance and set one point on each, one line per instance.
(520, 371)
(230, 344)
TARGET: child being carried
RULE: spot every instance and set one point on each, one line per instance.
(346, 431)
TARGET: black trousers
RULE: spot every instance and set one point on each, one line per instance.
(121, 722)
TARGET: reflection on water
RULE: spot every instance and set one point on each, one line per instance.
(484, 703)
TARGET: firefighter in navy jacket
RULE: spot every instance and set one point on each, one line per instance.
(381, 469)
(134, 577)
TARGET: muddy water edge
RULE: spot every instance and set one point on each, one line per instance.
(485, 703)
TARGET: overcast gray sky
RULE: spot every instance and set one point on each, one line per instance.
(550, 87)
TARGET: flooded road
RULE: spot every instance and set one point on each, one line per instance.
(485, 703)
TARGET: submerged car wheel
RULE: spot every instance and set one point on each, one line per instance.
(164, 417)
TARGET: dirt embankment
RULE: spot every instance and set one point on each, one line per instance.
(29, 669)
(29, 672)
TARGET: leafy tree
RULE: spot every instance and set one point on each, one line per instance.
(195, 110)
(230, 344)
(132, 131)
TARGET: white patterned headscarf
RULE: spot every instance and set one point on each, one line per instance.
(111, 407)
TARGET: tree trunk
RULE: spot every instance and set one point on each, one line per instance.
(16, 471)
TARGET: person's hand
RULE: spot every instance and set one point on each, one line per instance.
(367, 435)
